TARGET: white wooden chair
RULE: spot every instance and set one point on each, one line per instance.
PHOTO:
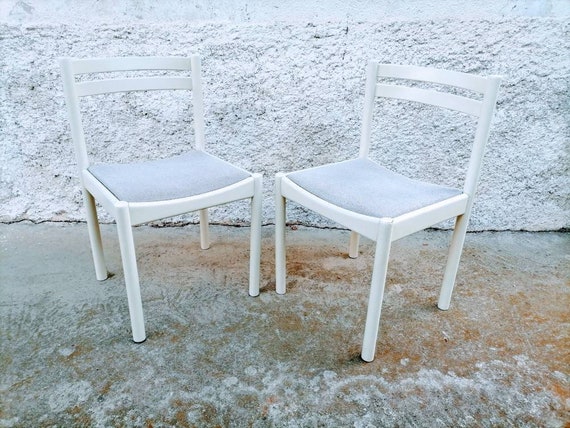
(382, 205)
(136, 193)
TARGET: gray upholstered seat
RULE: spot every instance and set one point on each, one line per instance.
(371, 190)
(190, 174)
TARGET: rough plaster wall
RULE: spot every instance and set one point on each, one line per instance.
(22, 11)
(287, 95)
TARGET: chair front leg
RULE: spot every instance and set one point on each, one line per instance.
(377, 290)
(453, 257)
(280, 262)
(95, 236)
(129, 259)
(204, 229)
(255, 239)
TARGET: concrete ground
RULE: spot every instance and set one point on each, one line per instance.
(216, 357)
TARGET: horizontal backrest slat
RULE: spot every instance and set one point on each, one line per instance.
(431, 97)
(105, 65)
(97, 87)
(433, 75)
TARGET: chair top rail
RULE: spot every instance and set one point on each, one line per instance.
(99, 87)
(431, 97)
(434, 75)
(105, 65)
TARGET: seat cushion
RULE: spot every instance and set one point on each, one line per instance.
(364, 187)
(177, 177)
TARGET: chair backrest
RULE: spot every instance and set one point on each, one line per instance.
(73, 89)
(480, 107)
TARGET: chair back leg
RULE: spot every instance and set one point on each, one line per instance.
(280, 262)
(377, 285)
(129, 259)
(454, 254)
(255, 238)
(95, 236)
(204, 229)
(353, 245)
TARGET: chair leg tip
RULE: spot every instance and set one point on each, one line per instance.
(442, 307)
(139, 341)
(367, 359)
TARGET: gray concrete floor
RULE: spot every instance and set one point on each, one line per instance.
(216, 357)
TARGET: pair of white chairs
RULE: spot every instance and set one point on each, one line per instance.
(359, 194)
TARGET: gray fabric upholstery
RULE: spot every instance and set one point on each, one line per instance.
(181, 176)
(364, 187)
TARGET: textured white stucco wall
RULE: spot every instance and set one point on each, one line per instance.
(271, 10)
(283, 90)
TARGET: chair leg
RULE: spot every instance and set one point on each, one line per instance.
(454, 254)
(128, 257)
(353, 245)
(95, 236)
(280, 262)
(255, 239)
(377, 291)
(204, 229)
